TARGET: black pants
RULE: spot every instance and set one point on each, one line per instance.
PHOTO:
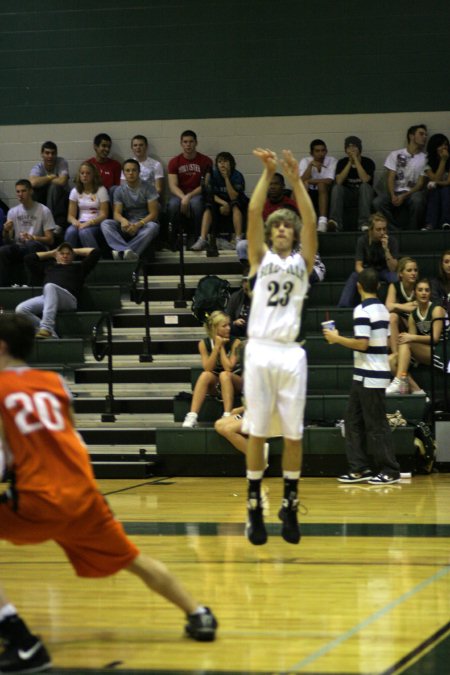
(368, 432)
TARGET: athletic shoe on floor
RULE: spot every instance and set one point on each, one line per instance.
(35, 659)
(255, 529)
(290, 530)
(200, 245)
(201, 627)
(399, 385)
(384, 479)
(190, 421)
(357, 477)
(129, 254)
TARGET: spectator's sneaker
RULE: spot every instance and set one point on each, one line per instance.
(200, 245)
(190, 421)
(225, 245)
(364, 227)
(332, 226)
(129, 254)
(35, 659)
(202, 627)
(384, 479)
(43, 334)
(117, 255)
(322, 225)
(399, 385)
(357, 477)
(446, 226)
(255, 529)
(290, 530)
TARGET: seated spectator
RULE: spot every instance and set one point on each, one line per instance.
(220, 367)
(63, 281)
(277, 197)
(151, 170)
(88, 207)
(136, 210)
(375, 248)
(317, 172)
(49, 179)
(437, 171)
(400, 299)
(440, 286)
(29, 228)
(404, 203)
(239, 309)
(108, 168)
(227, 199)
(353, 187)
(416, 342)
(186, 173)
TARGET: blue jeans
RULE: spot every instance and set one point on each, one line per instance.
(438, 207)
(412, 211)
(118, 240)
(196, 208)
(83, 237)
(350, 296)
(343, 197)
(54, 299)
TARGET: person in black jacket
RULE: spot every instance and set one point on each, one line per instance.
(63, 281)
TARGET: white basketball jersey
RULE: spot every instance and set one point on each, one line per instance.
(277, 298)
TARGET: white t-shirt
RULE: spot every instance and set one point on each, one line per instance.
(277, 298)
(408, 168)
(89, 204)
(35, 221)
(151, 169)
(328, 169)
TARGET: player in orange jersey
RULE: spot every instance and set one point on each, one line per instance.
(53, 495)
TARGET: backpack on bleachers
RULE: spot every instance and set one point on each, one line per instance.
(213, 293)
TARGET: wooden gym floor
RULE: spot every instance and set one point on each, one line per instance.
(367, 591)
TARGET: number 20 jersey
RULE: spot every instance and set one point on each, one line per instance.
(277, 298)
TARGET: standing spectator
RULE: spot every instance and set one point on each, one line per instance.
(63, 280)
(186, 172)
(366, 428)
(108, 168)
(405, 198)
(317, 172)
(440, 286)
(151, 170)
(88, 207)
(49, 179)
(438, 173)
(136, 211)
(227, 199)
(29, 228)
(353, 187)
(375, 248)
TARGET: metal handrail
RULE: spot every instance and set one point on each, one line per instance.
(100, 349)
(138, 296)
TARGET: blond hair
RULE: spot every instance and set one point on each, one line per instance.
(212, 322)
(287, 216)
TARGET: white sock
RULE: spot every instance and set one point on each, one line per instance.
(255, 475)
(291, 475)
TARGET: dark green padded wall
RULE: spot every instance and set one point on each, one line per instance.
(160, 59)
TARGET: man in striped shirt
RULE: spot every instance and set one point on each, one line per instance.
(367, 431)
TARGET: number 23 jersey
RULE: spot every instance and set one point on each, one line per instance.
(277, 298)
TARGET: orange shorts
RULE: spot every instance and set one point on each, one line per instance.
(93, 540)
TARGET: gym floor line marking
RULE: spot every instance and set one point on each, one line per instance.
(370, 620)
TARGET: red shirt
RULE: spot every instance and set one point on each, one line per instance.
(189, 171)
(109, 171)
(285, 203)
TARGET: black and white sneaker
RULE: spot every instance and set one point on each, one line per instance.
(384, 479)
(35, 659)
(202, 627)
(357, 477)
(290, 530)
(255, 530)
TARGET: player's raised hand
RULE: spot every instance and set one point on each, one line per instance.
(267, 157)
(290, 166)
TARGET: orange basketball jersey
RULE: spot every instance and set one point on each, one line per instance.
(48, 455)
